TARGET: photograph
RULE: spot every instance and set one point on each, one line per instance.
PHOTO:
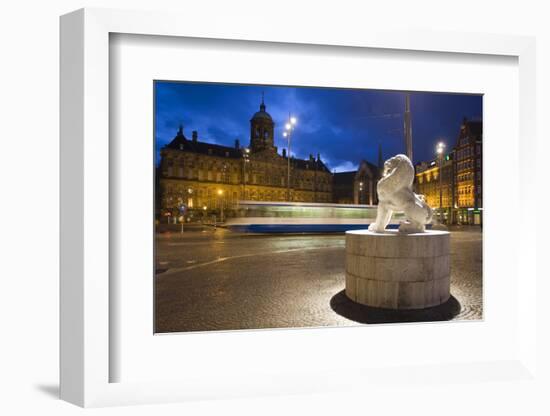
(302, 207)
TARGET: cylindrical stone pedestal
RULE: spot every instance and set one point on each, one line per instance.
(398, 271)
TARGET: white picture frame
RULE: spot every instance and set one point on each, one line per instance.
(86, 355)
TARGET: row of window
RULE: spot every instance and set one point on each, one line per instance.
(319, 183)
(465, 202)
(468, 151)
(170, 164)
(465, 190)
(208, 165)
(210, 174)
(210, 199)
(465, 177)
(434, 202)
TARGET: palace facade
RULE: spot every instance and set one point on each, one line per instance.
(196, 175)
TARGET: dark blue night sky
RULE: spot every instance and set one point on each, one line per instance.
(343, 125)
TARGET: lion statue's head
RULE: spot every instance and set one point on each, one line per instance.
(398, 173)
(395, 193)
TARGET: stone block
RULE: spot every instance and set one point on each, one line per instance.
(393, 244)
(398, 271)
(351, 286)
(442, 289)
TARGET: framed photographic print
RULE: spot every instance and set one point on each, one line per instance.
(278, 214)
(250, 223)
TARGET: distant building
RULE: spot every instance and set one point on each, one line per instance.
(428, 184)
(468, 173)
(195, 174)
(356, 187)
(461, 200)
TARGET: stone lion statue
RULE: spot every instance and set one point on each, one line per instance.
(395, 194)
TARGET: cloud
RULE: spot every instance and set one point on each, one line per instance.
(345, 167)
(345, 126)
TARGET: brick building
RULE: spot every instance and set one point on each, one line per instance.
(461, 183)
(428, 183)
(468, 173)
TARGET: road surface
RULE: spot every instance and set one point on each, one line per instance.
(213, 279)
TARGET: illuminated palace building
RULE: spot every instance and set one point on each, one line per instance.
(457, 195)
(200, 175)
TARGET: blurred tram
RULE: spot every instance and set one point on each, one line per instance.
(303, 217)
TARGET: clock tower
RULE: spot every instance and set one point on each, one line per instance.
(261, 131)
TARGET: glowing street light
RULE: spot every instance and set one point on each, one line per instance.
(246, 156)
(289, 126)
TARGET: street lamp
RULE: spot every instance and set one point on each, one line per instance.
(246, 160)
(440, 149)
(289, 128)
(220, 194)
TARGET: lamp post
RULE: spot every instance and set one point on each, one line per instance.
(246, 160)
(440, 149)
(289, 127)
(220, 194)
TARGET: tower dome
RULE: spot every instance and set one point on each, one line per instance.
(262, 114)
(261, 130)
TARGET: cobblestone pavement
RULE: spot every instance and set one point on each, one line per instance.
(212, 279)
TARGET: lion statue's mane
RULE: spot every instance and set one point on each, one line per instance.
(395, 194)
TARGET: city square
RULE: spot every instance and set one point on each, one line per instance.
(329, 214)
(209, 278)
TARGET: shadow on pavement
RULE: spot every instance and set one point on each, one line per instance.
(363, 314)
